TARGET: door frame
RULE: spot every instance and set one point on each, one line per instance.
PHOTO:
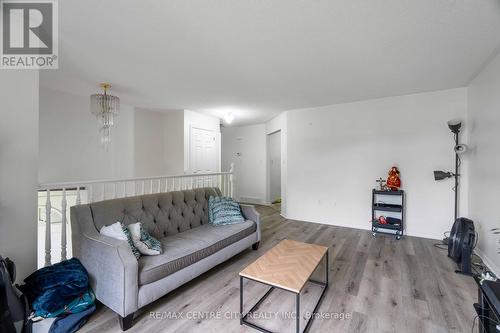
(268, 166)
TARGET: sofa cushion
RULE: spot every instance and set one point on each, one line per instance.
(186, 248)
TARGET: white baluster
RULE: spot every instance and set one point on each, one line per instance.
(151, 186)
(231, 181)
(103, 194)
(78, 196)
(48, 208)
(114, 191)
(159, 185)
(226, 186)
(166, 184)
(63, 225)
(90, 193)
(222, 183)
(143, 187)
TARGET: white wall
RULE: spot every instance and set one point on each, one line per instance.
(70, 148)
(484, 175)
(173, 127)
(149, 144)
(144, 142)
(19, 168)
(158, 142)
(335, 154)
(245, 146)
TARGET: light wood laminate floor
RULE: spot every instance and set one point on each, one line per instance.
(376, 285)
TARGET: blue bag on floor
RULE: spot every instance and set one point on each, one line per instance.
(71, 323)
(79, 304)
(52, 288)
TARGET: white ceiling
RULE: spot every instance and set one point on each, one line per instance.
(260, 57)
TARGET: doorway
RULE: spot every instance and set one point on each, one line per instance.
(274, 167)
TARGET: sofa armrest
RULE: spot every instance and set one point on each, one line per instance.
(113, 272)
(110, 263)
(250, 213)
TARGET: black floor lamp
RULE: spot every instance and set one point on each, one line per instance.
(455, 126)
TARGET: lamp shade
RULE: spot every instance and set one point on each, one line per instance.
(455, 125)
(440, 175)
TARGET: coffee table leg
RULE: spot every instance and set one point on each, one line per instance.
(241, 300)
(298, 312)
(327, 269)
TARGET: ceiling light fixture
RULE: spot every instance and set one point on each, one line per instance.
(229, 117)
(105, 107)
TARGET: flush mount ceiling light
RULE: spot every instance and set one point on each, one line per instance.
(229, 117)
(105, 107)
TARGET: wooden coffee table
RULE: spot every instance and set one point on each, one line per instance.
(288, 266)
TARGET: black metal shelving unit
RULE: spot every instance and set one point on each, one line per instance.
(398, 209)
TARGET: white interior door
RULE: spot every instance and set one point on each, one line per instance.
(204, 151)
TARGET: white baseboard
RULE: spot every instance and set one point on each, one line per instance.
(488, 262)
(252, 200)
(368, 227)
(425, 235)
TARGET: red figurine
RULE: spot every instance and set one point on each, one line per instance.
(393, 181)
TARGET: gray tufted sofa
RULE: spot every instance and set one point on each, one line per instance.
(180, 221)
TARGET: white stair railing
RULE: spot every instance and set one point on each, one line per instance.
(60, 196)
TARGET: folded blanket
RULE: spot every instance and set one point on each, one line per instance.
(51, 288)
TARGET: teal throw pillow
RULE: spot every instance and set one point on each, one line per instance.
(224, 211)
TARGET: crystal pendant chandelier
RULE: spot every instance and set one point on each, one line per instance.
(105, 107)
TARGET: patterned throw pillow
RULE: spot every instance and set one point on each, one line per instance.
(119, 231)
(130, 242)
(212, 201)
(151, 242)
(143, 241)
(223, 211)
